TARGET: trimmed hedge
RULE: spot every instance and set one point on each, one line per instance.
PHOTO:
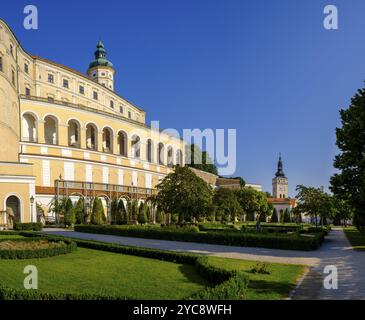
(230, 284)
(242, 239)
(28, 226)
(68, 247)
(22, 294)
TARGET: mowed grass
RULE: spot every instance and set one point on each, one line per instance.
(6, 237)
(356, 239)
(105, 273)
(274, 286)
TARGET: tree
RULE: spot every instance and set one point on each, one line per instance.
(200, 160)
(114, 211)
(142, 213)
(253, 202)
(274, 217)
(226, 203)
(69, 213)
(98, 216)
(314, 202)
(342, 212)
(286, 218)
(80, 211)
(184, 193)
(122, 217)
(133, 211)
(349, 183)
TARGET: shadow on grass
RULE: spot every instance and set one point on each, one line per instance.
(191, 275)
(356, 239)
(270, 289)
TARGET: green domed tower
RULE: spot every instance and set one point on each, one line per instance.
(101, 69)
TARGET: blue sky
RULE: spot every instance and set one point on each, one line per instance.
(266, 68)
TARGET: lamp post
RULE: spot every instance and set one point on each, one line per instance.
(31, 208)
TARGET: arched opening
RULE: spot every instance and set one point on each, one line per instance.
(74, 134)
(91, 137)
(50, 130)
(149, 150)
(13, 210)
(160, 153)
(29, 128)
(136, 146)
(107, 140)
(170, 157)
(123, 143)
(179, 157)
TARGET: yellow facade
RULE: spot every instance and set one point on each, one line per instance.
(56, 123)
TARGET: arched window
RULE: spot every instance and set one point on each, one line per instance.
(179, 157)
(29, 128)
(107, 140)
(91, 137)
(123, 143)
(13, 209)
(149, 149)
(74, 134)
(170, 157)
(136, 146)
(50, 130)
(160, 153)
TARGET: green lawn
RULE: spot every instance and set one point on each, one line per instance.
(105, 273)
(356, 239)
(274, 286)
(3, 237)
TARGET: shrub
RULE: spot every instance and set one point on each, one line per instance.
(98, 216)
(66, 246)
(142, 213)
(79, 211)
(38, 226)
(262, 240)
(274, 217)
(69, 213)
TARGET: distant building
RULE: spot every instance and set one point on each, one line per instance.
(280, 191)
(257, 187)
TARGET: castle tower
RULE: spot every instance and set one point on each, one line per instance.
(101, 69)
(280, 182)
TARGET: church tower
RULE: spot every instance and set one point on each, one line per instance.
(280, 182)
(101, 69)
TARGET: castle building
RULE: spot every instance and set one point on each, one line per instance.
(63, 132)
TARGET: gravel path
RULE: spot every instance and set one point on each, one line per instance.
(336, 251)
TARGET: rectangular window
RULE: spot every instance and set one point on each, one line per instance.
(65, 83)
(26, 68)
(1, 64)
(129, 115)
(27, 92)
(81, 90)
(121, 109)
(11, 50)
(50, 99)
(95, 95)
(50, 78)
(13, 77)
(112, 104)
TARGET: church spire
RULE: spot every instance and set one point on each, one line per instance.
(280, 171)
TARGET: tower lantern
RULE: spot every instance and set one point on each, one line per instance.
(101, 69)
